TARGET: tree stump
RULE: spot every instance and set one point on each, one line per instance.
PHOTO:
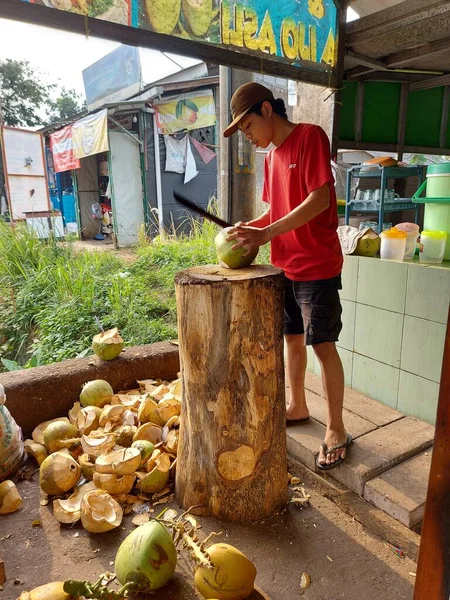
(232, 447)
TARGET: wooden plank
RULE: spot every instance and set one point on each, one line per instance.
(339, 84)
(430, 83)
(381, 147)
(444, 117)
(372, 63)
(433, 568)
(403, 109)
(398, 59)
(391, 18)
(359, 111)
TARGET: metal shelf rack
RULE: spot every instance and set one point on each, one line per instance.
(384, 174)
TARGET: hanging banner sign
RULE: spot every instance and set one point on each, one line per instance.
(186, 112)
(301, 33)
(90, 135)
(62, 149)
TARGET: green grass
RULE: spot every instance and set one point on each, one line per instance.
(52, 297)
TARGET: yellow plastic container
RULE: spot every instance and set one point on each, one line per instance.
(393, 244)
(432, 246)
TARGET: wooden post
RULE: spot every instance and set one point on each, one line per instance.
(433, 568)
(232, 447)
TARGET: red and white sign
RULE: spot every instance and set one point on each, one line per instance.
(62, 149)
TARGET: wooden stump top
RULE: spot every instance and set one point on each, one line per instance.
(216, 273)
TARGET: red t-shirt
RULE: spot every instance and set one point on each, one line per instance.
(300, 165)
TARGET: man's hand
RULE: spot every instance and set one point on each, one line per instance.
(248, 237)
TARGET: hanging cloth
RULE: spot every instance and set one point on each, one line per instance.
(175, 153)
(205, 153)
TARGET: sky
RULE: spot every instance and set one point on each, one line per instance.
(61, 56)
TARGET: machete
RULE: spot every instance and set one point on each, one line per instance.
(201, 211)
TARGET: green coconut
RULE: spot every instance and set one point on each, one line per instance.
(368, 244)
(233, 259)
(56, 434)
(96, 393)
(163, 14)
(146, 558)
(108, 344)
(145, 448)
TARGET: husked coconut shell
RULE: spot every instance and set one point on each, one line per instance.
(73, 412)
(59, 435)
(157, 479)
(145, 448)
(150, 432)
(120, 462)
(88, 419)
(147, 407)
(97, 442)
(68, 511)
(59, 473)
(87, 466)
(125, 435)
(10, 499)
(130, 401)
(114, 484)
(164, 411)
(100, 512)
(112, 415)
(108, 344)
(172, 441)
(176, 389)
(37, 451)
(160, 391)
(38, 432)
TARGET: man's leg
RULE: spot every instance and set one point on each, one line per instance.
(295, 374)
(333, 384)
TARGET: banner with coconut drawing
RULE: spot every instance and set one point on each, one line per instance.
(299, 32)
(186, 112)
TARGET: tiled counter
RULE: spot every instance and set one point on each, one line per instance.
(394, 322)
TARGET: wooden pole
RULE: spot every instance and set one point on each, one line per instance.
(433, 568)
(232, 447)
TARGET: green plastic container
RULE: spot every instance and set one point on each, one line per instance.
(437, 201)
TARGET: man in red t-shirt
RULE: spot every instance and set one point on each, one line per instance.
(300, 224)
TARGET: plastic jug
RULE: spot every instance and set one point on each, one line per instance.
(412, 233)
(393, 244)
(432, 246)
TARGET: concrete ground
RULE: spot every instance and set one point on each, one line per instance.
(343, 558)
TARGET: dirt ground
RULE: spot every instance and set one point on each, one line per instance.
(343, 559)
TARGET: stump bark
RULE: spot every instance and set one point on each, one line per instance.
(232, 448)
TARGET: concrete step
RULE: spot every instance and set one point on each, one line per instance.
(401, 491)
(370, 454)
(387, 462)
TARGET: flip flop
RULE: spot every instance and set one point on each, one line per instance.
(324, 466)
(290, 422)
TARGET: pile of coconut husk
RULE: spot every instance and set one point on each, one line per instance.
(114, 454)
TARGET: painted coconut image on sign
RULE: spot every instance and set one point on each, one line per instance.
(191, 19)
(116, 11)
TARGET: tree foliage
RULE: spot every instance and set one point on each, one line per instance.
(68, 104)
(28, 102)
(22, 93)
